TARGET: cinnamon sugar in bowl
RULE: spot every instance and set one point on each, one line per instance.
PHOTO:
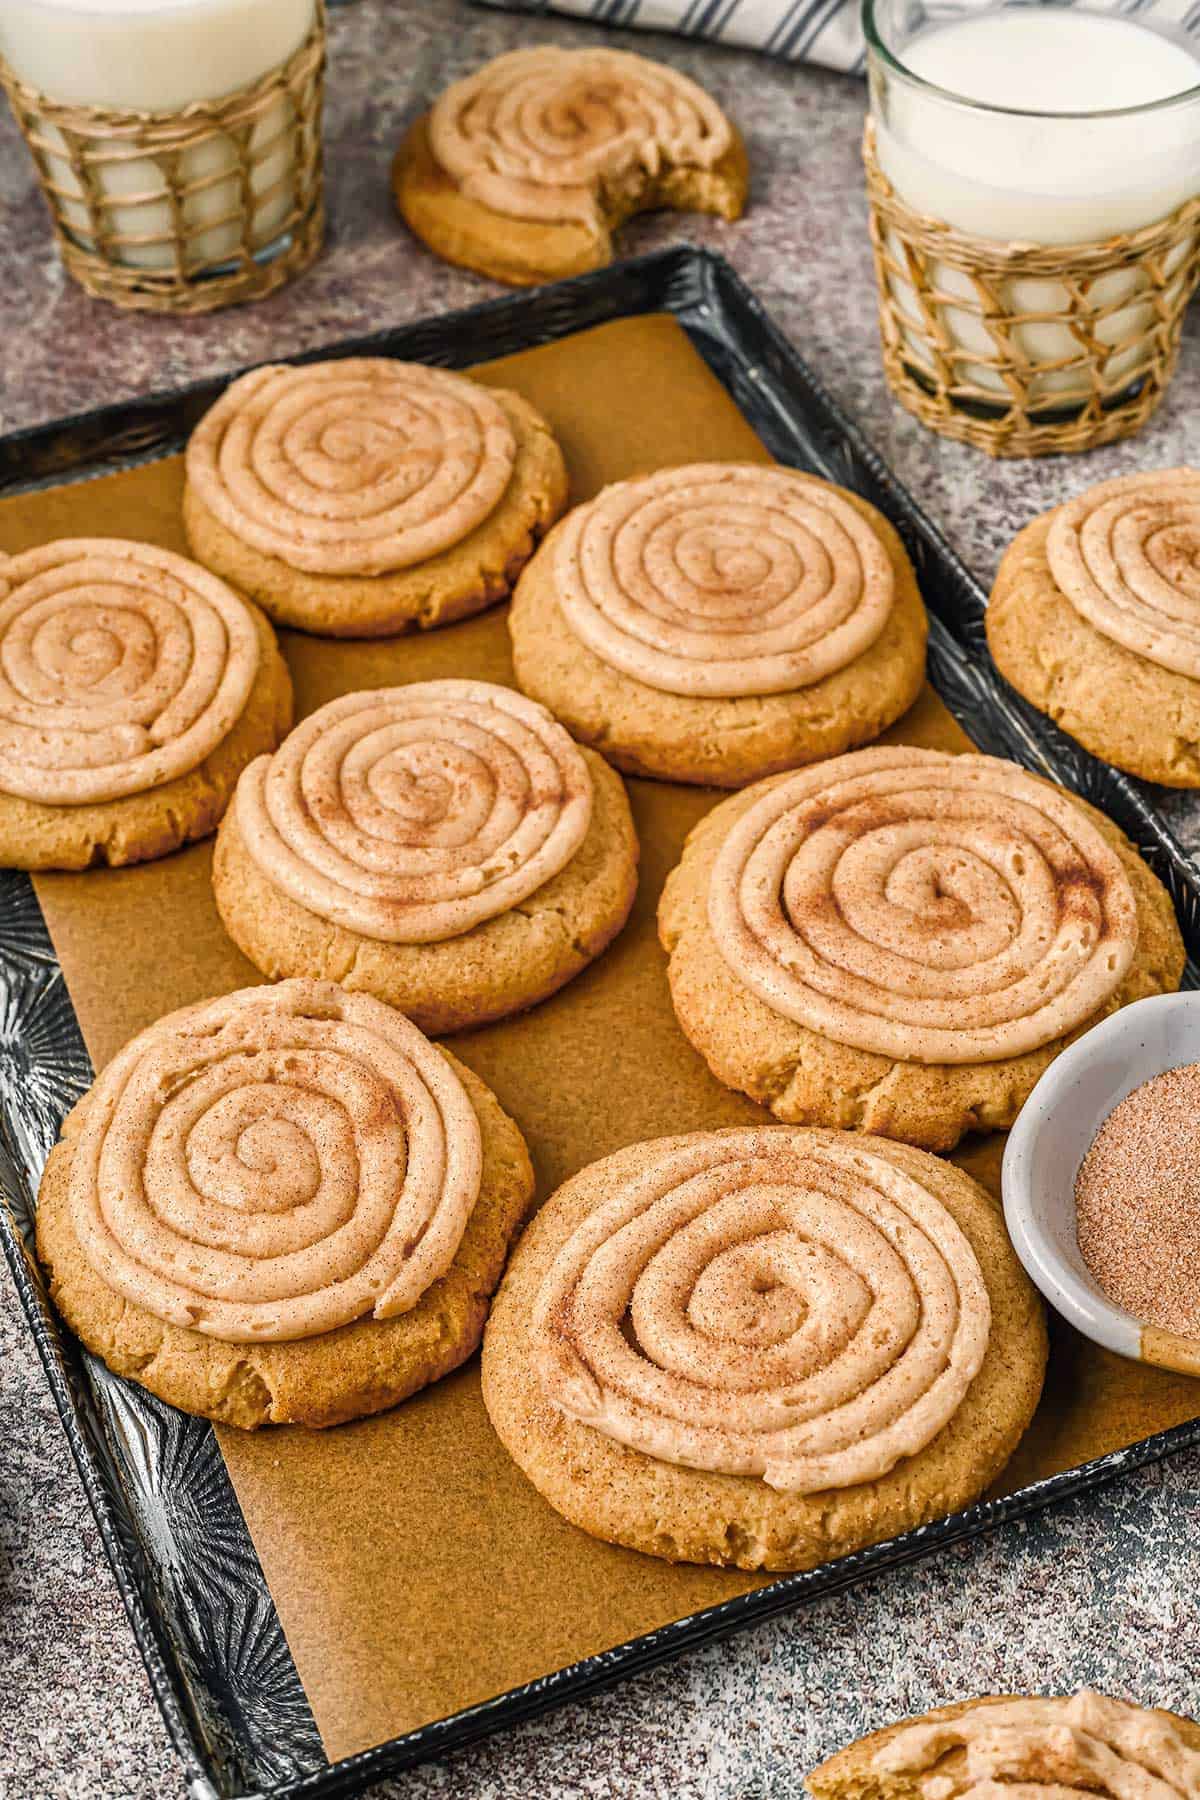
(1137, 1202)
(1115, 1122)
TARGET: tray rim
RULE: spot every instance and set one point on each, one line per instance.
(588, 1675)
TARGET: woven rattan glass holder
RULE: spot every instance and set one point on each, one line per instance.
(960, 316)
(190, 210)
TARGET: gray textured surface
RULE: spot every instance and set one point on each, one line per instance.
(1103, 1590)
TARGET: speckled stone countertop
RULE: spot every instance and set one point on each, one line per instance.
(1103, 1590)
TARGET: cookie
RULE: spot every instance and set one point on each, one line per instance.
(282, 1206)
(717, 622)
(763, 1348)
(900, 941)
(524, 170)
(368, 497)
(134, 689)
(1038, 1747)
(1094, 619)
(445, 846)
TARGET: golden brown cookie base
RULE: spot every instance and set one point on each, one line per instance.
(502, 966)
(691, 1515)
(716, 743)
(143, 826)
(1128, 711)
(807, 1079)
(524, 252)
(360, 1368)
(465, 579)
(850, 1774)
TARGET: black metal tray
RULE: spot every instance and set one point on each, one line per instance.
(199, 1606)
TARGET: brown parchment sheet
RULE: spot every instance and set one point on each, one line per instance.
(415, 1570)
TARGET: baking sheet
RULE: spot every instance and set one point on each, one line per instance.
(414, 1570)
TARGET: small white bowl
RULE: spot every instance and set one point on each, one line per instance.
(1055, 1127)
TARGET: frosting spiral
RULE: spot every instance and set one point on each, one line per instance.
(722, 579)
(535, 134)
(1046, 1749)
(412, 814)
(275, 1163)
(1126, 554)
(121, 667)
(357, 467)
(928, 907)
(779, 1302)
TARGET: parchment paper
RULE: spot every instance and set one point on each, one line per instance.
(415, 1570)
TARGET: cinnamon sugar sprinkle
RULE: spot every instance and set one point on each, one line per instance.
(1137, 1202)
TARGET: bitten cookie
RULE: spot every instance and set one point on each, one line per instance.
(1095, 618)
(763, 1348)
(721, 621)
(524, 170)
(134, 689)
(282, 1206)
(901, 941)
(368, 497)
(1035, 1747)
(445, 846)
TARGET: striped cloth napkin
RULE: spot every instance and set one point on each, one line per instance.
(819, 31)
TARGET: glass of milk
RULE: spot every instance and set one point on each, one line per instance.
(158, 57)
(1038, 124)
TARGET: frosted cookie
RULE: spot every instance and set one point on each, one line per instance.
(1034, 1748)
(367, 497)
(901, 941)
(445, 846)
(282, 1206)
(1095, 618)
(524, 170)
(134, 689)
(763, 1348)
(718, 622)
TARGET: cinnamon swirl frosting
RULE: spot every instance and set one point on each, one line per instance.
(122, 667)
(927, 907)
(1126, 554)
(413, 814)
(357, 467)
(723, 579)
(538, 133)
(275, 1163)
(1088, 1746)
(782, 1303)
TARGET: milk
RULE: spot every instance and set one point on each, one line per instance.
(158, 56)
(1032, 174)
